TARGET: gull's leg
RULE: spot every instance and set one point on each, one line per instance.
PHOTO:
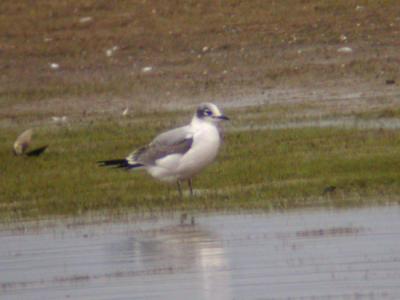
(190, 187)
(179, 188)
(190, 183)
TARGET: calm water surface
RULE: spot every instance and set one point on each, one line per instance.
(306, 254)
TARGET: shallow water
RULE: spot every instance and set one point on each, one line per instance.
(306, 254)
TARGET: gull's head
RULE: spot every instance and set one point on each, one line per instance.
(210, 112)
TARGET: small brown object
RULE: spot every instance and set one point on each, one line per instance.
(390, 81)
(328, 190)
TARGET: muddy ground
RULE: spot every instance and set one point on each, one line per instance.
(94, 58)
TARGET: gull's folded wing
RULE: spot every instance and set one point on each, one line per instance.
(175, 141)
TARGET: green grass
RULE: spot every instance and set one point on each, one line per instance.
(268, 169)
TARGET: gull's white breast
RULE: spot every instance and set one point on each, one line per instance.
(206, 142)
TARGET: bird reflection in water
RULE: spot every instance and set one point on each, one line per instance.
(176, 250)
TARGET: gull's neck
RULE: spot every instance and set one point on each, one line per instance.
(197, 122)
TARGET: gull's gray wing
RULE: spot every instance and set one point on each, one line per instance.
(173, 136)
(175, 141)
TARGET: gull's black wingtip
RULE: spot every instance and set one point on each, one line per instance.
(118, 163)
(112, 163)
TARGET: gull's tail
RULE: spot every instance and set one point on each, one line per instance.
(119, 163)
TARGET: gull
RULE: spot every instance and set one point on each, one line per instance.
(23, 142)
(179, 154)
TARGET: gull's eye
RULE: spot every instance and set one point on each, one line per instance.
(207, 112)
(204, 112)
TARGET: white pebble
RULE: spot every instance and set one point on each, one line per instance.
(147, 69)
(345, 50)
(54, 66)
(62, 119)
(110, 52)
(85, 20)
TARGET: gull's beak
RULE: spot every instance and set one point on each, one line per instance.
(222, 117)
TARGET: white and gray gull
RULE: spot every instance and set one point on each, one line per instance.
(181, 153)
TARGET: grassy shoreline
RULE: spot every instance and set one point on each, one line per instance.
(256, 169)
